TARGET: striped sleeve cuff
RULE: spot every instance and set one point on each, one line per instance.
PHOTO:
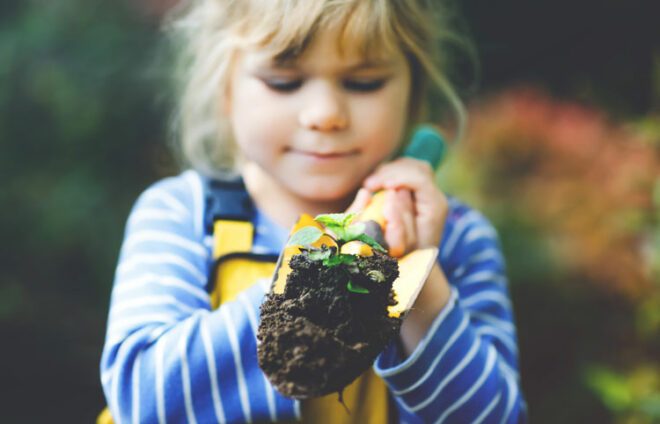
(443, 346)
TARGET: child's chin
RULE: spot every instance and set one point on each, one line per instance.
(325, 192)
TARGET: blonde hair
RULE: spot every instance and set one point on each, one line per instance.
(208, 33)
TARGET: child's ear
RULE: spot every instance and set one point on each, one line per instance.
(224, 93)
(225, 101)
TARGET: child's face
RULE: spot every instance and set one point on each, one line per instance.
(318, 125)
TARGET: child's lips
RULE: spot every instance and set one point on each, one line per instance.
(325, 156)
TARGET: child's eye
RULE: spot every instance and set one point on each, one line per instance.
(363, 85)
(283, 85)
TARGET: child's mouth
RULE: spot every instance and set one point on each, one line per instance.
(325, 156)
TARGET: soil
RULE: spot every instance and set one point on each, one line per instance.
(317, 336)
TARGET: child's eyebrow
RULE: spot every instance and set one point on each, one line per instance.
(371, 64)
(364, 65)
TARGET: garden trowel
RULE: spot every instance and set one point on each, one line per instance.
(426, 144)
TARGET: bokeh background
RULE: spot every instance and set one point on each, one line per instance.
(562, 154)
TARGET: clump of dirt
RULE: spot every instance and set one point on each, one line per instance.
(318, 336)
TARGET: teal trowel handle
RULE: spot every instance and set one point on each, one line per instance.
(427, 144)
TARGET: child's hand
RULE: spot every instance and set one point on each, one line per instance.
(415, 212)
(415, 209)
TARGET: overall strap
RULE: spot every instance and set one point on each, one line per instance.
(226, 199)
(228, 215)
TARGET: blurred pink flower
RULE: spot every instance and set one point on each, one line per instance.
(586, 181)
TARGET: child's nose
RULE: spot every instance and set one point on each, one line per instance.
(325, 110)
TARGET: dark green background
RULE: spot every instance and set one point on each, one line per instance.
(83, 108)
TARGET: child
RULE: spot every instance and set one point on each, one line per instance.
(309, 101)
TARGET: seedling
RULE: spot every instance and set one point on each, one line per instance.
(341, 230)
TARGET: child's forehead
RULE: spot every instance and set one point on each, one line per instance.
(328, 46)
(356, 30)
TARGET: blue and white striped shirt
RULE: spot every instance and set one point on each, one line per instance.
(168, 358)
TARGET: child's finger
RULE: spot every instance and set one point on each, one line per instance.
(403, 172)
(415, 175)
(400, 222)
(394, 231)
(360, 202)
(406, 206)
(430, 204)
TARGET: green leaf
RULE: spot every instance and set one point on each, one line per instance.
(339, 259)
(353, 231)
(349, 233)
(340, 232)
(305, 236)
(332, 261)
(334, 219)
(356, 288)
(320, 255)
(347, 259)
(371, 242)
(349, 218)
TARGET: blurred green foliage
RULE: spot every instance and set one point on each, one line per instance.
(81, 134)
(634, 395)
(83, 108)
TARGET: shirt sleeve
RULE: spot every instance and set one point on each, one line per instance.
(465, 369)
(162, 334)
